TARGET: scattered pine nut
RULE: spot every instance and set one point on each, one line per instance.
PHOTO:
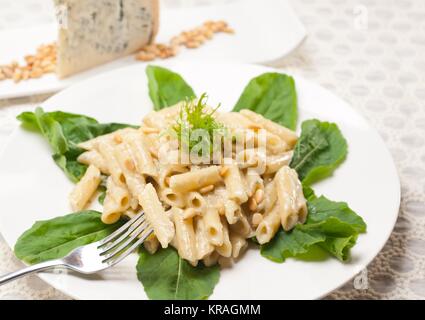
(206, 189)
(130, 165)
(118, 138)
(256, 219)
(43, 62)
(149, 130)
(252, 204)
(259, 195)
(223, 171)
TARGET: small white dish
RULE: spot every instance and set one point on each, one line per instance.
(264, 31)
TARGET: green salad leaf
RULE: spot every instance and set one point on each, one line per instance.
(64, 131)
(272, 95)
(55, 238)
(321, 209)
(166, 88)
(165, 275)
(319, 150)
(333, 226)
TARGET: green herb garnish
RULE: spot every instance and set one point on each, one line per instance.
(196, 126)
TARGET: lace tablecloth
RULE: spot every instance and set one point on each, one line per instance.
(370, 53)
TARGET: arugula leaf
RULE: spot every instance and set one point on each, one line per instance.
(55, 238)
(318, 152)
(322, 208)
(272, 95)
(166, 88)
(102, 195)
(165, 275)
(331, 225)
(64, 131)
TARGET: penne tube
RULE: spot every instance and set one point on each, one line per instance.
(274, 144)
(253, 181)
(242, 226)
(203, 245)
(135, 182)
(290, 198)
(151, 244)
(225, 262)
(254, 158)
(274, 163)
(235, 120)
(271, 198)
(167, 171)
(185, 236)
(194, 180)
(234, 184)
(211, 259)
(172, 198)
(85, 188)
(196, 201)
(156, 216)
(225, 249)
(109, 138)
(107, 151)
(232, 211)
(239, 244)
(117, 201)
(285, 134)
(213, 226)
(268, 226)
(138, 148)
(93, 157)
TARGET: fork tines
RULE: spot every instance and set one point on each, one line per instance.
(125, 240)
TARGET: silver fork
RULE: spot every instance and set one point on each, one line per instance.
(98, 255)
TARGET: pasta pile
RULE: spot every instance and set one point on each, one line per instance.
(206, 211)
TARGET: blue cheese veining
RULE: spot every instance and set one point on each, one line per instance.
(93, 32)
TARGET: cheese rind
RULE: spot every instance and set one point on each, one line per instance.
(94, 32)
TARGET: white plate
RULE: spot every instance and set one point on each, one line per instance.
(264, 30)
(33, 188)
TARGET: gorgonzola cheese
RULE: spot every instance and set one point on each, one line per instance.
(93, 32)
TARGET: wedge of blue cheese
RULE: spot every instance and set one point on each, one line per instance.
(93, 32)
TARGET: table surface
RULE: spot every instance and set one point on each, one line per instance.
(372, 54)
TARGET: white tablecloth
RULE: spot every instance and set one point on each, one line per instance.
(371, 53)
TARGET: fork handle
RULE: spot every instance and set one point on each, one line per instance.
(31, 269)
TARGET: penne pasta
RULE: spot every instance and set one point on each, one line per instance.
(117, 201)
(135, 182)
(195, 180)
(93, 157)
(275, 162)
(239, 245)
(291, 202)
(139, 150)
(206, 210)
(107, 151)
(268, 226)
(203, 245)
(151, 244)
(225, 249)
(185, 236)
(85, 188)
(156, 216)
(196, 201)
(213, 226)
(284, 133)
(234, 184)
(172, 198)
